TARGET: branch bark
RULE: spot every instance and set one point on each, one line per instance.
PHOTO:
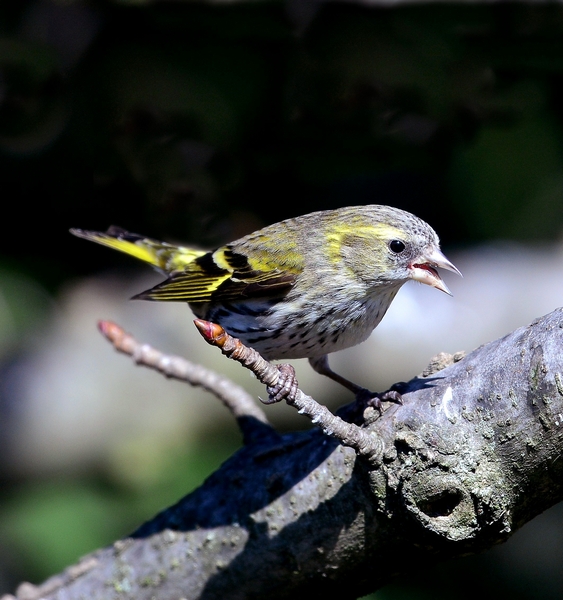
(472, 454)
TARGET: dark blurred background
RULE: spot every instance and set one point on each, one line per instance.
(200, 122)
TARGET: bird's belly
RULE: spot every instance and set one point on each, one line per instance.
(287, 330)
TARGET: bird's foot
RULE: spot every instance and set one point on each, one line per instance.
(365, 397)
(285, 388)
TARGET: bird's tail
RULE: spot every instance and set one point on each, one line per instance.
(163, 256)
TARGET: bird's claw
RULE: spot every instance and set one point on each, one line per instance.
(365, 397)
(285, 388)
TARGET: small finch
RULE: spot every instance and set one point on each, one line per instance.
(301, 288)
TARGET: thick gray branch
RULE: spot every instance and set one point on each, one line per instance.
(474, 453)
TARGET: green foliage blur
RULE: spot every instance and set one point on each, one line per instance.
(200, 121)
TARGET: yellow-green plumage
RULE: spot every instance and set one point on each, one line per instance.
(304, 287)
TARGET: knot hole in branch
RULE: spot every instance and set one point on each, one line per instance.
(441, 504)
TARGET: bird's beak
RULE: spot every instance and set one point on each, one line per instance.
(424, 269)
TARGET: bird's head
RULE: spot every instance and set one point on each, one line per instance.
(387, 246)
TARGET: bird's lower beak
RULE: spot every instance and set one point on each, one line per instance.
(424, 269)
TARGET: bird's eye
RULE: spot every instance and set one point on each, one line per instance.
(396, 246)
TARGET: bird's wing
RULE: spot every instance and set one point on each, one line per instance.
(224, 275)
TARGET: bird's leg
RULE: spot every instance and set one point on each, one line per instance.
(321, 366)
(364, 396)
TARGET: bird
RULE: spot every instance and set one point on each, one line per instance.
(304, 287)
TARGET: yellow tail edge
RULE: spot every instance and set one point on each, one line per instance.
(163, 256)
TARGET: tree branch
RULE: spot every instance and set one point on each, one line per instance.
(364, 442)
(472, 454)
(251, 419)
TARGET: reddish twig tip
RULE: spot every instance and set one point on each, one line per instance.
(211, 332)
(110, 330)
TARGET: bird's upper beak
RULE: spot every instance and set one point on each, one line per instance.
(424, 269)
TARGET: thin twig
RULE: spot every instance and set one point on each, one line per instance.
(361, 440)
(250, 417)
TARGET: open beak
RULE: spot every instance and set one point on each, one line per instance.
(424, 269)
